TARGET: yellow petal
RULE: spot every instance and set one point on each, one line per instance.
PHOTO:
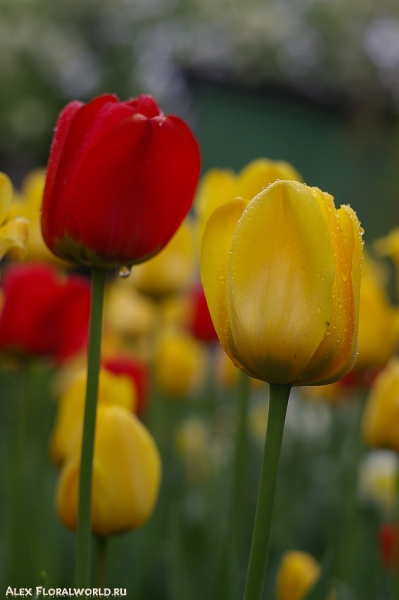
(216, 244)
(215, 189)
(279, 280)
(260, 173)
(32, 191)
(14, 235)
(296, 574)
(336, 354)
(5, 196)
(380, 426)
(173, 269)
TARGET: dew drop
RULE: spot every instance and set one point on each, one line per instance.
(124, 272)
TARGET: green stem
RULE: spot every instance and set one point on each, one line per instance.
(99, 277)
(223, 586)
(279, 395)
(239, 461)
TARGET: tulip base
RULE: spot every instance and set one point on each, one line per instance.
(279, 395)
(99, 277)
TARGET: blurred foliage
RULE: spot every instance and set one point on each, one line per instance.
(54, 50)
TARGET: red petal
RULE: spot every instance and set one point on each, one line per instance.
(90, 122)
(135, 187)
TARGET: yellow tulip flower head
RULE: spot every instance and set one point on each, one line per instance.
(381, 417)
(171, 271)
(219, 186)
(126, 475)
(13, 230)
(378, 321)
(181, 363)
(297, 573)
(281, 274)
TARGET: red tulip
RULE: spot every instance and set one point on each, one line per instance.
(201, 323)
(44, 313)
(121, 177)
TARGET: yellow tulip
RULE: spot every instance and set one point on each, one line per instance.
(13, 229)
(171, 271)
(28, 204)
(219, 186)
(126, 475)
(378, 321)
(381, 416)
(389, 246)
(297, 573)
(113, 389)
(180, 363)
(281, 274)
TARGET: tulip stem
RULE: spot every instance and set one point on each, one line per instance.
(99, 277)
(279, 395)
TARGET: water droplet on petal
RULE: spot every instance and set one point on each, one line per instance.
(124, 272)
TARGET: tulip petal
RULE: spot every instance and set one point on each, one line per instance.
(78, 127)
(215, 189)
(144, 165)
(260, 173)
(5, 196)
(336, 354)
(216, 244)
(14, 236)
(279, 280)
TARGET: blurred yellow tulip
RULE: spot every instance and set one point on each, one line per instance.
(297, 573)
(113, 389)
(381, 416)
(129, 316)
(281, 274)
(28, 204)
(126, 475)
(14, 227)
(171, 271)
(181, 363)
(389, 246)
(378, 321)
(219, 186)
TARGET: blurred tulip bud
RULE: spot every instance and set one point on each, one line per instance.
(378, 321)
(45, 313)
(172, 270)
(126, 475)
(27, 203)
(296, 575)
(14, 228)
(113, 389)
(381, 416)
(181, 364)
(220, 186)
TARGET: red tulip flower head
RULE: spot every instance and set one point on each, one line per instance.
(43, 313)
(121, 177)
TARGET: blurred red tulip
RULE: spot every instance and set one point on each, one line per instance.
(389, 544)
(44, 313)
(121, 177)
(201, 323)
